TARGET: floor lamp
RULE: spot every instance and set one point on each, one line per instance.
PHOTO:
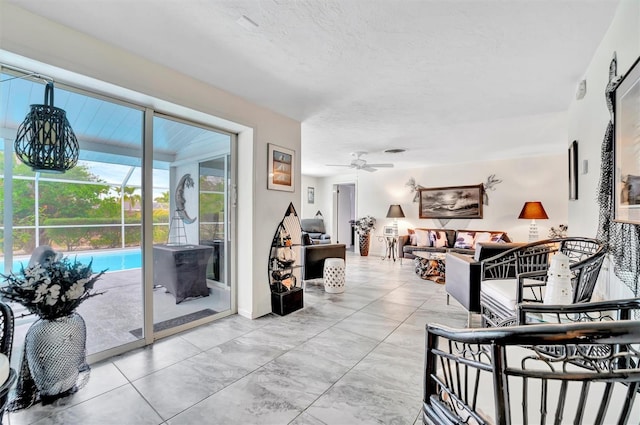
(533, 211)
(395, 212)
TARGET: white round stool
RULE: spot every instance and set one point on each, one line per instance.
(333, 275)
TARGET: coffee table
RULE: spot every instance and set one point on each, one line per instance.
(430, 265)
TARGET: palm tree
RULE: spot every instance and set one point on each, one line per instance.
(131, 197)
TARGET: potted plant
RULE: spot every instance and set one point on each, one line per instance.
(364, 226)
(54, 357)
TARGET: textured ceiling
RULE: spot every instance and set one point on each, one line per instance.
(449, 81)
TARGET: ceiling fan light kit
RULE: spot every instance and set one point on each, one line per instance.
(361, 164)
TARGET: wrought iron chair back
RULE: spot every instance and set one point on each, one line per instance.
(508, 375)
(529, 265)
(6, 346)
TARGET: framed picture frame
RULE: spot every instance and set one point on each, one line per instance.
(388, 231)
(626, 149)
(573, 171)
(311, 195)
(451, 202)
(281, 168)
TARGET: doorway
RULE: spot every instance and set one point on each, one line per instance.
(344, 213)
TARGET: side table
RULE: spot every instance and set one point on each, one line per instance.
(392, 243)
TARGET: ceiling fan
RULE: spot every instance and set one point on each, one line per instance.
(361, 164)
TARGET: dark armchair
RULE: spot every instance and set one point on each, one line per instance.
(463, 273)
(520, 275)
(314, 227)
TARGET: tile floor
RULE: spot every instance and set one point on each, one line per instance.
(351, 358)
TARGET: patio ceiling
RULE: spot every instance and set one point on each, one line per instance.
(107, 131)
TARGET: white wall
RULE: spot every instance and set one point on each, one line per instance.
(525, 179)
(588, 120)
(26, 38)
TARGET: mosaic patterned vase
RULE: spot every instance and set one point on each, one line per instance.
(56, 354)
(364, 244)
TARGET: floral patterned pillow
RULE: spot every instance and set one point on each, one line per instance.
(438, 238)
(464, 240)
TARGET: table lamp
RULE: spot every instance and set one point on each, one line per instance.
(395, 212)
(533, 211)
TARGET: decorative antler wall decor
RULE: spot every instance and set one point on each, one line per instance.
(490, 184)
(415, 188)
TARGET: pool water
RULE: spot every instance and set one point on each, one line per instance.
(112, 260)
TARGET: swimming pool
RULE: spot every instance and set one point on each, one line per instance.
(124, 259)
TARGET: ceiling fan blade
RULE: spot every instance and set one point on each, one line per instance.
(380, 165)
(368, 168)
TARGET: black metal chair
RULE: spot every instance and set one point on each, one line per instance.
(500, 292)
(547, 373)
(6, 345)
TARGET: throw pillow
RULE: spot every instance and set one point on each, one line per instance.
(464, 240)
(481, 237)
(413, 239)
(438, 238)
(422, 238)
(497, 237)
(411, 231)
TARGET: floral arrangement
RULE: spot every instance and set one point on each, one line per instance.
(365, 224)
(559, 232)
(53, 289)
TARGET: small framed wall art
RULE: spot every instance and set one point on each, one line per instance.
(281, 168)
(311, 195)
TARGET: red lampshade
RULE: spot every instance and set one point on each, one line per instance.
(533, 211)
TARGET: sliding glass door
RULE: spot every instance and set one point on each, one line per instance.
(190, 270)
(96, 211)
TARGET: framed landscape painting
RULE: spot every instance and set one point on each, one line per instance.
(281, 166)
(626, 150)
(451, 202)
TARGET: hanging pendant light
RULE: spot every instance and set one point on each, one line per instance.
(45, 140)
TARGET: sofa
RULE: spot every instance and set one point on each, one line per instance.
(314, 227)
(446, 240)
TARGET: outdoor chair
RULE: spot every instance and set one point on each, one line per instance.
(585, 372)
(6, 345)
(500, 291)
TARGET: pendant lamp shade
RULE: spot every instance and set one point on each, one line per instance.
(45, 140)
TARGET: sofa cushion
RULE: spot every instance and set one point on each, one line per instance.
(465, 240)
(438, 238)
(497, 237)
(422, 238)
(503, 291)
(481, 237)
